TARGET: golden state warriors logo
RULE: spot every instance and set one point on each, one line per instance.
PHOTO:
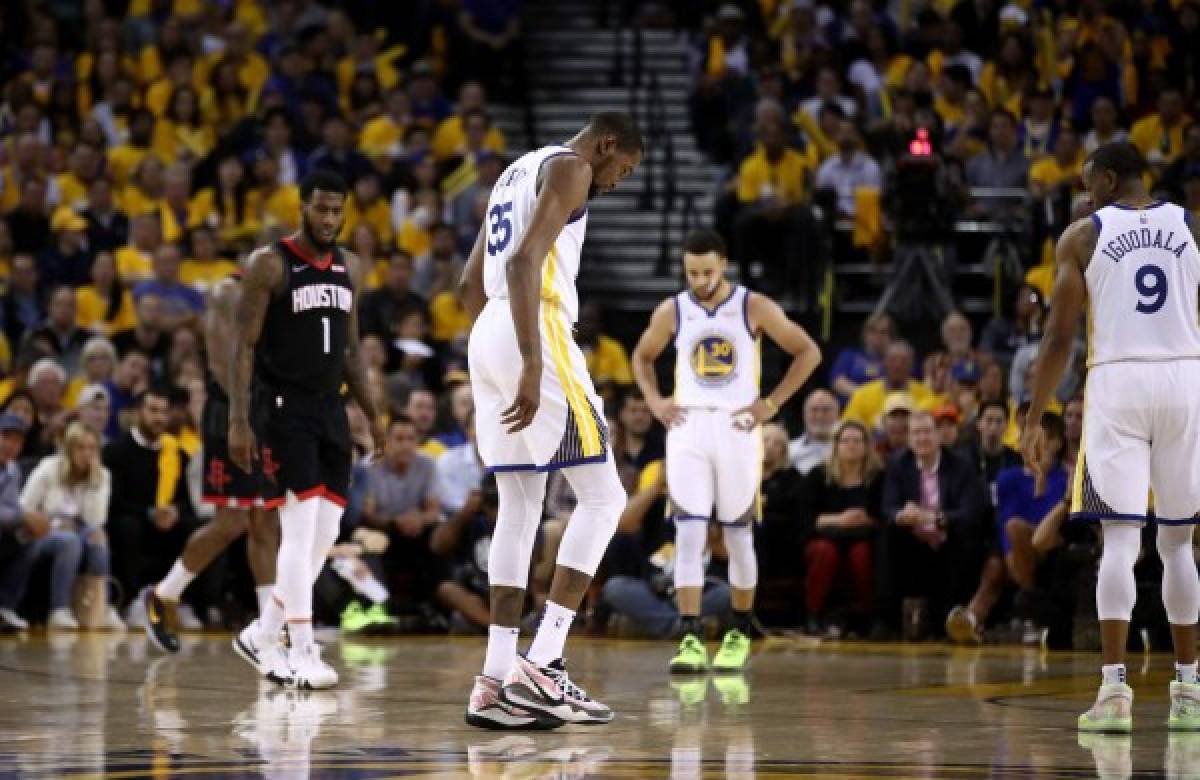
(714, 360)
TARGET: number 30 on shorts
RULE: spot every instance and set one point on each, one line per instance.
(1151, 282)
(499, 227)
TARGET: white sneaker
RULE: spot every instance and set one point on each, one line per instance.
(549, 691)
(135, 614)
(309, 672)
(10, 618)
(186, 618)
(266, 656)
(112, 620)
(1112, 712)
(61, 619)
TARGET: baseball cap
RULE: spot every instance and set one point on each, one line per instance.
(10, 422)
(946, 412)
(897, 402)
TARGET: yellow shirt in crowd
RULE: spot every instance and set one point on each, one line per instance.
(133, 265)
(866, 404)
(608, 361)
(450, 140)
(90, 308)
(1156, 143)
(783, 179)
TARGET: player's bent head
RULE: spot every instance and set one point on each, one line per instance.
(1113, 170)
(704, 261)
(616, 149)
(324, 201)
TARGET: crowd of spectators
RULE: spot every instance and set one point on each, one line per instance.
(147, 148)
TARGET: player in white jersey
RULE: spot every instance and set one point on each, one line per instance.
(537, 411)
(1135, 263)
(714, 440)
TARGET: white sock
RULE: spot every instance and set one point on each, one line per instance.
(551, 634)
(263, 592)
(501, 652)
(172, 586)
(270, 619)
(1185, 673)
(300, 633)
(1113, 673)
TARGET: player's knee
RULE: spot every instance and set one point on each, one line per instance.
(1172, 538)
(229, 524)
(743, 563)
(690, 537)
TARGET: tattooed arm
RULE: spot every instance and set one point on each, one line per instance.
(355, 369)
(220, 330)
(264, 272)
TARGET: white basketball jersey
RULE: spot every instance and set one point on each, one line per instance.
(509, 211)
(717, 356)
(1142, 286)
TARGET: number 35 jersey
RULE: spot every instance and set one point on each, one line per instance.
(509, 213)
(1142, 286)
(716, 354)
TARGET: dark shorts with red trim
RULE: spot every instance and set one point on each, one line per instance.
(304, 444)
(225, 484)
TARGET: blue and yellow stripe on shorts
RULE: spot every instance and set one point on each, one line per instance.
(591, 444)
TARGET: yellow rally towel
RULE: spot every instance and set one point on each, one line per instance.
(868, 224)
(169, 469)
(716, 56)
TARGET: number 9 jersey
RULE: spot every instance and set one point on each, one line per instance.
(509, 212)
(1142, 285)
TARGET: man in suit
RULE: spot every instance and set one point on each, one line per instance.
(934, 534)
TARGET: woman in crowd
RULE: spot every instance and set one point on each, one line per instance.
(843, 496)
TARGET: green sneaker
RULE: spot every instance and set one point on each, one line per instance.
(692, 657)
(355, 618)
(378, 616)
(1185, 707)
(734, 652)
(1113, 710)
(690, 692)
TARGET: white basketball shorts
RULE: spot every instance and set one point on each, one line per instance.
(711, 464)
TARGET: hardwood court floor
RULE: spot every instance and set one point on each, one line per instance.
(110, 706)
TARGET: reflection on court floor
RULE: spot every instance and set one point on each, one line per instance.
(109, 706)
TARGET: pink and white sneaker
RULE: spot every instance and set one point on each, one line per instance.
(548, 690)
(486, 710)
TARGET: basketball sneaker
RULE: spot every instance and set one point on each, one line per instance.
(1185, 707)
(158, 622)
(309, 672)
(961, 627)
(267, 657)
(734, 652)
(1113, 710)
(486, 710)
(548, 690)
(692, 658)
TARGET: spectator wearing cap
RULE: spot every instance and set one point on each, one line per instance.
(856, 366)
(68, 494)
(16, 530)
(459, 470)
(812, 447)
(22, 304)
(891, 428)
(933, 508)
(1159, 136)
(58, 335)
(180, 304)
(67, 260)
(866, 404)
(93, 409)
(1187, 166)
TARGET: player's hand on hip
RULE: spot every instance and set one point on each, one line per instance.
(243, 448)
(750, 417)
(519, 415)
(667, 412)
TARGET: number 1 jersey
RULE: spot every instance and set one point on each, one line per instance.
(305, 332)
(509, 212)
(1142, 286)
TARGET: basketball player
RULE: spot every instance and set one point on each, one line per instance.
(298, 342)
(235, 494)
(1134, 261)
(714, 439)
(537, 411)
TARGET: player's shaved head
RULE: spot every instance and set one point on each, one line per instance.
(620, 126)
(1114, 171)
